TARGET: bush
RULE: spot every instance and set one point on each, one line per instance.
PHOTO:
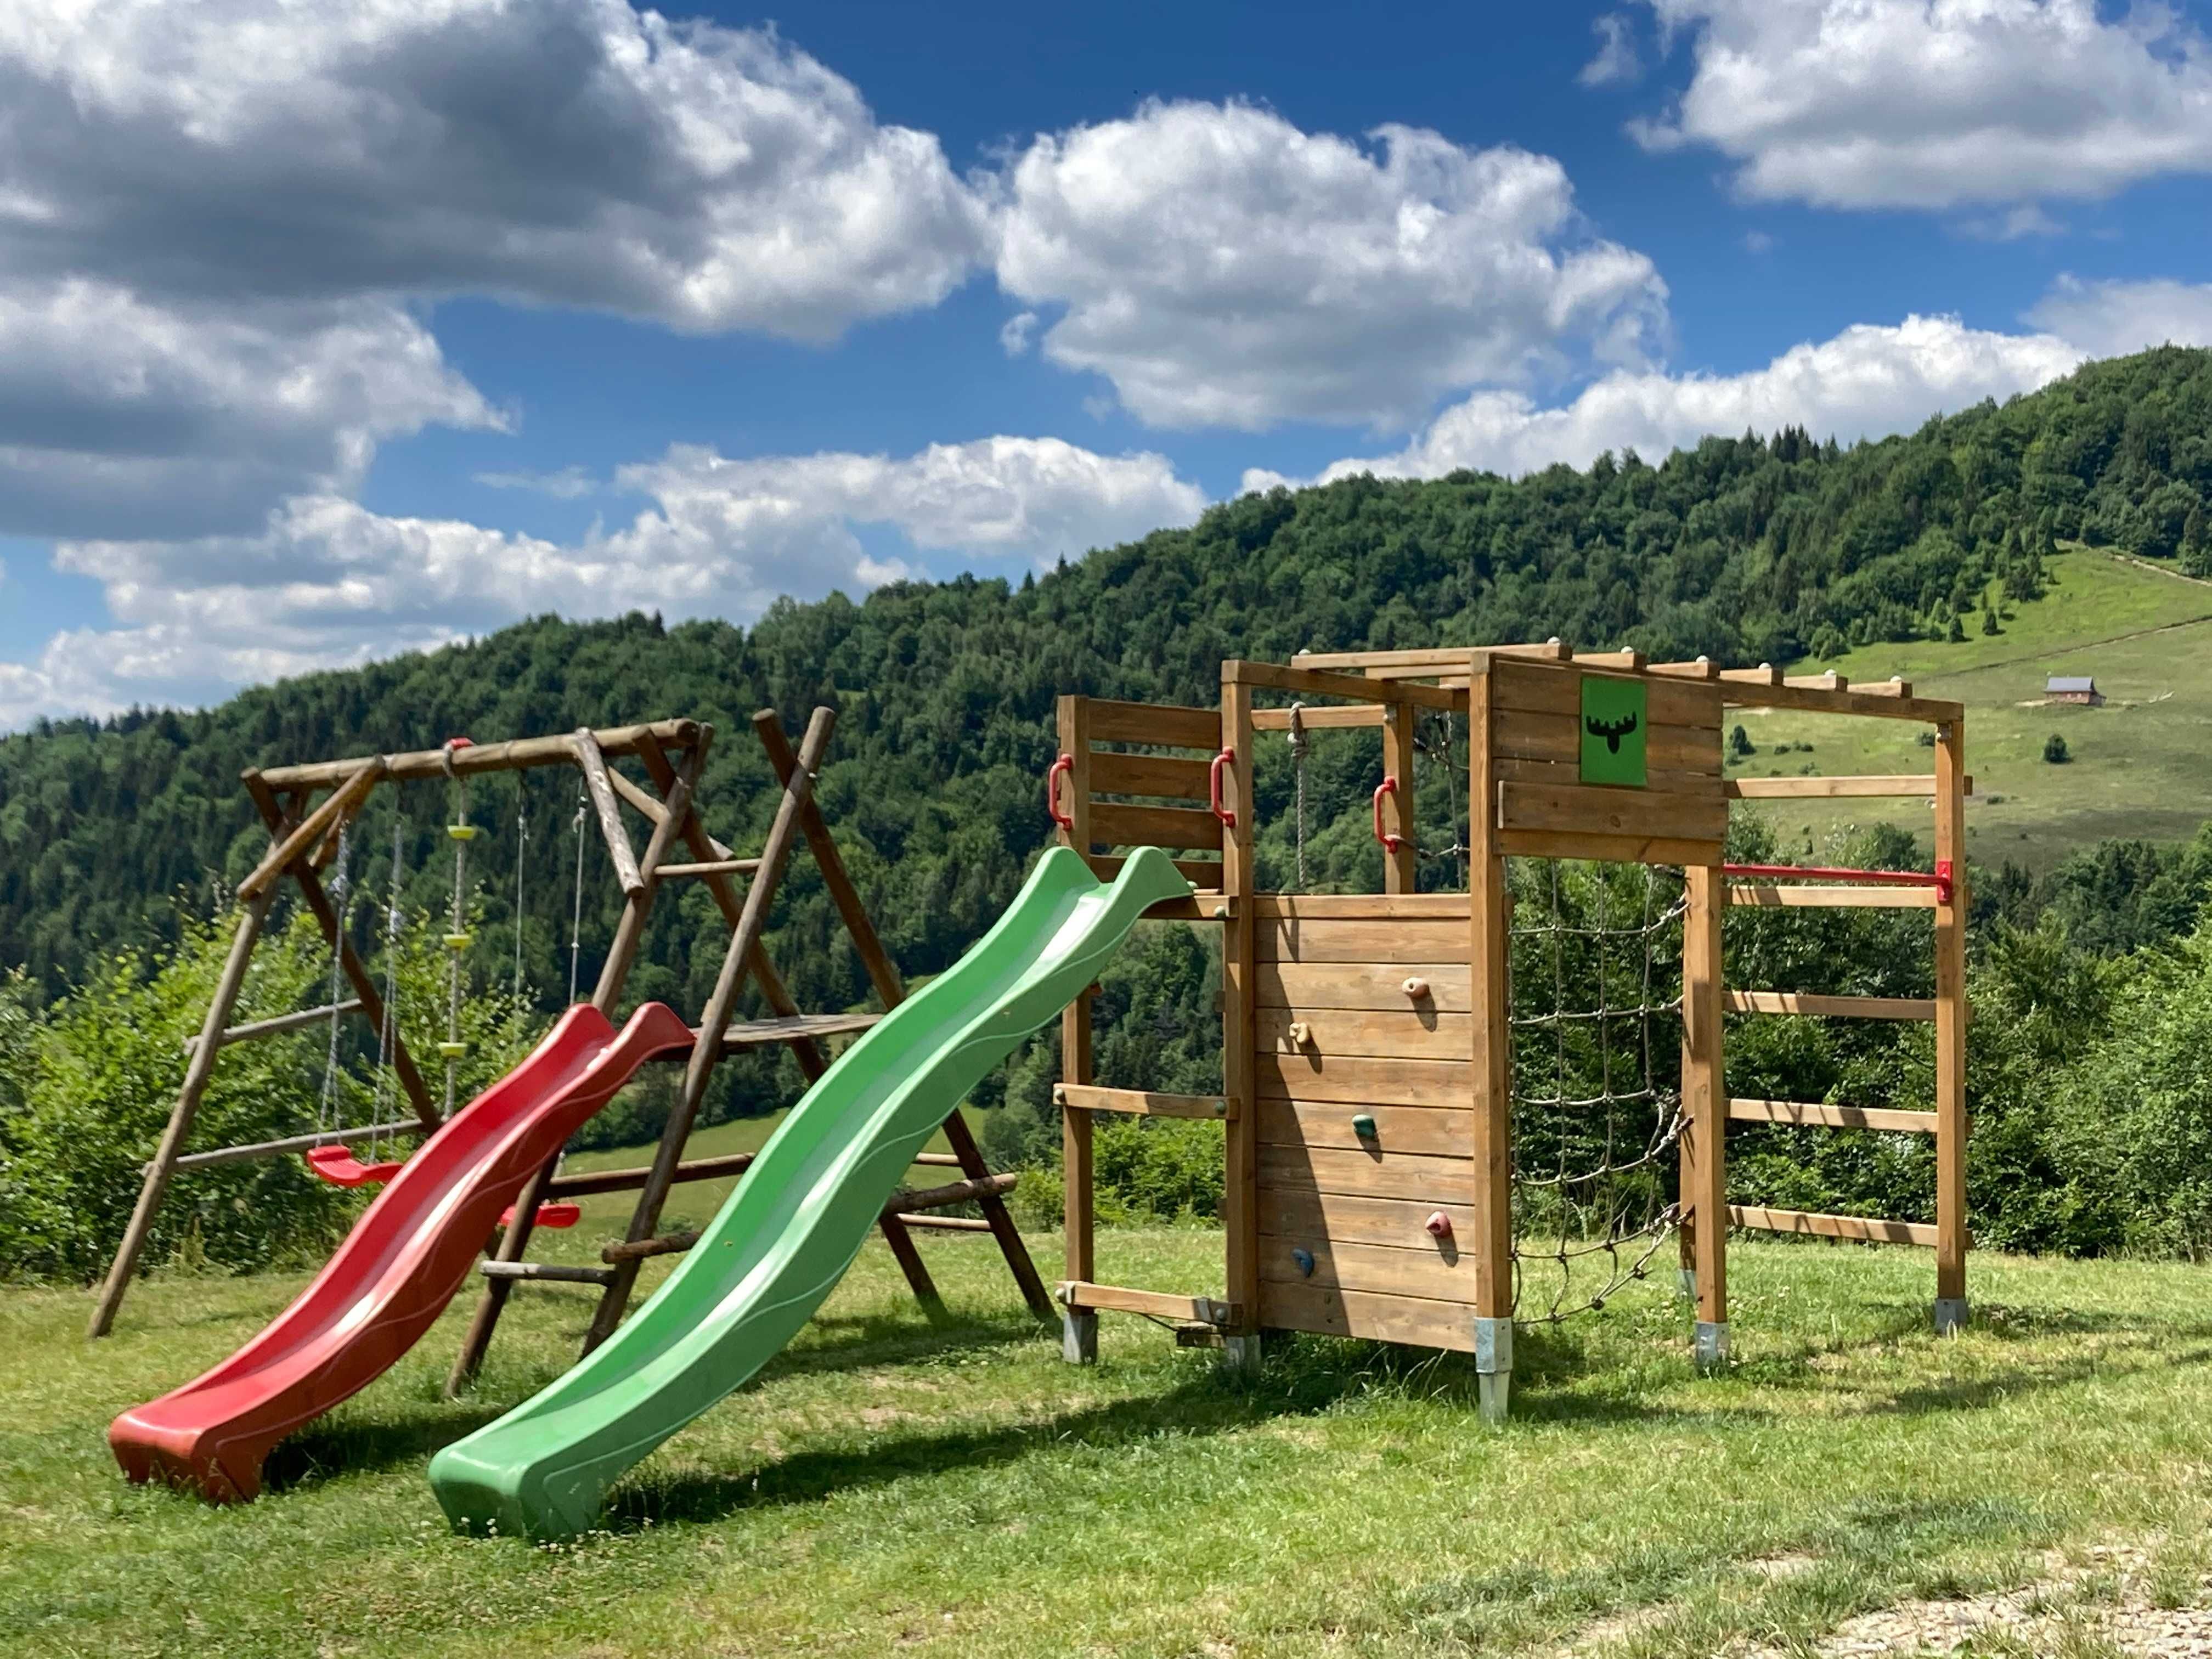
(2055, 751)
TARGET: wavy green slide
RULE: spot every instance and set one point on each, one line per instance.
(801, 1213)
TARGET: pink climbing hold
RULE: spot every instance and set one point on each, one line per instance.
(1438, 1225)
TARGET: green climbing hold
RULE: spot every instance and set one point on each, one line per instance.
(1363, 1127)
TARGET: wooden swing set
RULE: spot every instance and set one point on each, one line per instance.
(305, 836)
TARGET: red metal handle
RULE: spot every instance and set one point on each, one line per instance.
(1065, 766)
(1941, 880)
(1226, 759)
(1390, 842)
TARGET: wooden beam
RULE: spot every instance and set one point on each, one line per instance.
(585, 1182)
(1240, 1203)
(595, 767)
(1311, 683)
(1772, 896)
(1204, 1309)
(1704, 1096)
(500, 1273)
(296, 843)
(1794, 1002)
(307, 1143)
(1857, 1228)
(1813, 700)
(1078, 1202)
(1402, 869)
(1140, 1103)
(1491, 1095)
(1160, 726)
(282, 1023)
(1350, 714)
(1828, 788)
(515, 755)
(1951, 1127)
(710, 867)
(1822, 1116)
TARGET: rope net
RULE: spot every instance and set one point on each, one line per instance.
(1595, 969)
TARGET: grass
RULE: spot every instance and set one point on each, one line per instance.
(885, 1488)
(2140, 764)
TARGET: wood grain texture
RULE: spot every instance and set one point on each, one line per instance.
(1417, 1321)
(1820, 1115)
(1380, 986)
(1357, 1218)
(1440, 1274)
(1369, 1175)
(1794, 1002)
(1588, 810)
(1405, 1033)
(1362, 1078)
(1815, 1225)
(1161, 725)
(1412, 941)
(1177, 827)
(1438, 1131)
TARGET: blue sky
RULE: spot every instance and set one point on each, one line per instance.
(322, 343)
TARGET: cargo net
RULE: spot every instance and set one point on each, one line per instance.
(1595, 977)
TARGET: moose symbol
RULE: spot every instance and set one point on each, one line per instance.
(1612, 731)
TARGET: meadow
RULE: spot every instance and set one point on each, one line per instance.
(887, 1486)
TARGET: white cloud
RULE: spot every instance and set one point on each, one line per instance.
(2110, 319)
(122, 418)
(327, 583)
(1221, 267)
(570, 483)
(1939, 104)
(566, 152)
(1616, 63)
(1018, 333)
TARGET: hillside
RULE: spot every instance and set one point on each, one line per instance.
(1748, 548)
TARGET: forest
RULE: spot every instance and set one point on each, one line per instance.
(118, 836)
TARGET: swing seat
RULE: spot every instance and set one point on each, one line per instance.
(339, 1166)
(549, 1215)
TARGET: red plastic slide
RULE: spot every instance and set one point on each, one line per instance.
(388, 1282)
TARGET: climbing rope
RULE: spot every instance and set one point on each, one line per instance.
(576, 907)
(387, 1031)
(1299, 743)
(461, 832)
(521, 858)
(327, 1112)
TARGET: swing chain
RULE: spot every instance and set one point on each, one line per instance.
(327, 1112)
(1299, 744)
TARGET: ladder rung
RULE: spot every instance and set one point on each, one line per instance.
(938, 1160)
(551, 1273)
(1795, 1002)
(667, 1245)
(947, 1223)
(1820, 1115)
(585, 1181)
(291, 1021)
(1862, 1228)
(711, 867)
(960, 1192)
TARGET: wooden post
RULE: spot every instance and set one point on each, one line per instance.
(1401, 869)
(1704, 1108)
(614, 973)
(1491, 1003)
(1950, 1310)
(1078, 1343)
(198, 1071)
(594, 764)
(645, 1219)
(1240, 1201)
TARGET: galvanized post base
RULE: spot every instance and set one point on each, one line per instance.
(1240, 1356)
(1951, 1314)
(1711, 1343)
(1493, 1366)
(1079, 1337)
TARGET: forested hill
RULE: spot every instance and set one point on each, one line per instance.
(1749, 548)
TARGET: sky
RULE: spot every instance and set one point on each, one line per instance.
(328, 332)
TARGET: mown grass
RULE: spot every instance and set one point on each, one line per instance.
(2141, 765)
(890, 1487)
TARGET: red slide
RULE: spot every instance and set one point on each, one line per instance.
(388, 1282)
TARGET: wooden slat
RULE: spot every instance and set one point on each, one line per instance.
(1832, 1226)
(1518, 769)
(1318, 719)
(710, 867)
(794, 1027)
(1161, 725)
(942, 1223)
(1353, 907)
(1559, 738)
(1354, 688)
(1428, 660)
(1540, 689)
(546, 1271)
(1177, 777)
(1794, 1002)
(1822, 1116)
(1140, 1103)
(1830, 789)
(1413, 941)
(1177, 828)
(1436, 1131)
(1205, 1310)
(1644, 814)
(1435, 1180)
(1403, 1034)
(1352, 1218)
(1618, 849)
(1204, 874)
(1362, 985)
(1419, 1321)
(1338, 1077)
(1813, 701)
(595, 767)
(1774, 896)
(1443, 1275)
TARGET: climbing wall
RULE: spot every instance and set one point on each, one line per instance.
(1364, 1091)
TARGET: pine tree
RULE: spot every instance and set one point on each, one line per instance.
(2196, 555)
(1989, 618)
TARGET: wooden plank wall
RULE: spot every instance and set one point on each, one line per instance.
(1339, 1036)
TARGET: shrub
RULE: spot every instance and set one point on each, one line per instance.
(2055, 751)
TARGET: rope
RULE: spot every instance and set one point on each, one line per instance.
(327, 1112)
(1299, 743)
(387, 1031)
(521, 858)
(456, 939)
(576, 909)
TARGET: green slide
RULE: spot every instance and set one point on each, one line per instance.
(801, 1213)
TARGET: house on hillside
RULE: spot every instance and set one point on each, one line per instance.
(2071, 688)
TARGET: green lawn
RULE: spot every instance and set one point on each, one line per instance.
(887, 1488)
(2141, 765)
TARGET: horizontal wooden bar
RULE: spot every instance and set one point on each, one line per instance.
(1445, 1274)
(939, 1160)
(1344, 906)
(1617, 849)
(511, 756)
(1140, 1103)
(1412, 941)
(1354, 688)
(1349, 1217)
(1795, 1002)
(545, 1271)
(1420, 1321)
(793, 1027)
(1582, 809)
(1205, 874)
(1520, 768)
(711, 867)
(945, 1223)
(1775, 895)
(1429, 659)
(1163, 725)
(1113, 1299)
(1349, 715)
(291, 1021)
(307, 1143)
(1811, 1222)
(958, 1192)
(1176, 777)
(643, 1249)
(1903, 785)
(1179, 828)
(1813, 700)
(584, 1183)
(1819, 1115)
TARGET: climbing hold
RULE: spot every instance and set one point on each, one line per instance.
(1362, 1125)
(461, 831)
(459, 941)
(1301, 1034)
(1304, 1259)
(1417, 989)
(1438, 1226)
(452, 1050)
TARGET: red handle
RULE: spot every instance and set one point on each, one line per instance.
(1065, 766)
(1390, 842)
(1227, 758)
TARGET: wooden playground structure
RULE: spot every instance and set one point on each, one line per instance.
(1368, 1040)
(306, 837)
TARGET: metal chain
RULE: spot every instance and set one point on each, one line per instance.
(576, 911)
(1299, 743)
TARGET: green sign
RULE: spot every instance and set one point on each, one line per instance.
(1614, 716)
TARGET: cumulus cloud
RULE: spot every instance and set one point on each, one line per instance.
(1865, 382)
(325, 582)
(1939, 104)
(1221, 267)
(1616, 63)
(566, 152)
